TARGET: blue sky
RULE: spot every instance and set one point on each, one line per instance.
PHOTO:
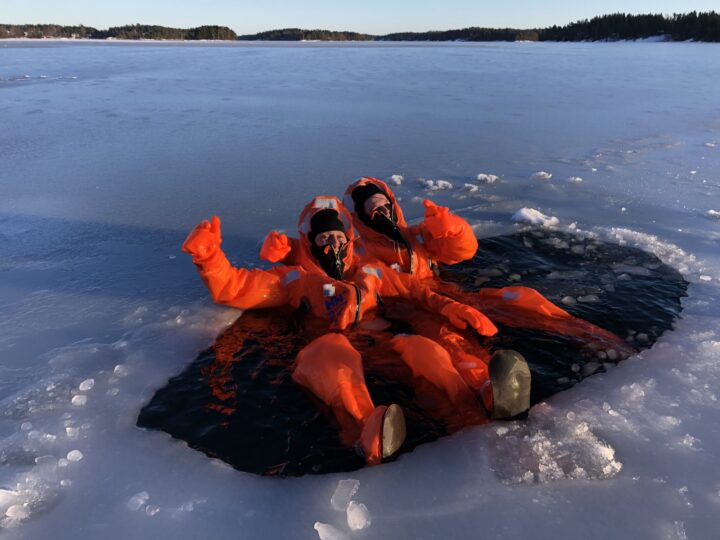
(371, 16)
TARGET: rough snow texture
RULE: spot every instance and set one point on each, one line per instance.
(94, 286)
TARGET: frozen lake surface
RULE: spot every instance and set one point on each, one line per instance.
(111, 152)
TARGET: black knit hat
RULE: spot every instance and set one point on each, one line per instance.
(323, 221)
(362, 193)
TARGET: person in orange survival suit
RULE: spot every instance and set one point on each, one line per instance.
(329, 366)
(446, 238)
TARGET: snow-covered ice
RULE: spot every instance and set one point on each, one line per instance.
(358, 517)
(344, 492)
(111, 152)
(534, 217)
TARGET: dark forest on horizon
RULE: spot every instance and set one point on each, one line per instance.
(678, 27)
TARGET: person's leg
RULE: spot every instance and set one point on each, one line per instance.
(331, 369)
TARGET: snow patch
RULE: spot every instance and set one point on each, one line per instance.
(485, 178)
(541, 175)
(534, 217)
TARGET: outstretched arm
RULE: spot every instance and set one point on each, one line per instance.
(457, 313)
(236, 287)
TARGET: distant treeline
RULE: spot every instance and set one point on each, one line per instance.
(131, 31)
(697, 26)
(678, 27)
(298, 34)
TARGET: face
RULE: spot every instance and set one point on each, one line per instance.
(334, 239)
(377, 204)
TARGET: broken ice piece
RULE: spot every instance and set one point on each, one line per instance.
(138, 500)
(17, 511)
(344, 493)
(86, 385)
(358, 517)
(74, 455)
(79, 400)
(328, 532)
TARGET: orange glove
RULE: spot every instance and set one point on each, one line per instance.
(461, 315)
(440, 223)
(204, 240)
(275, 247)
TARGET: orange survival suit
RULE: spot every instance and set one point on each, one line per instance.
(330, 367)
(446, 238)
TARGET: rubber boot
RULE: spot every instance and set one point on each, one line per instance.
(383, 434)
(510, 381)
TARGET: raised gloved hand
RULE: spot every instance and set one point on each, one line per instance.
(461, 315)
(275, 247)
(204, 240)
(440, 223)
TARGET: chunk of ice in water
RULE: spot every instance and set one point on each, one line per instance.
(74, 455)
(542, 175)
(568, 300)
(86, 385)
(485, 178)
(358, 517)
(138, 500)
(120, 370)
(79, 400)
(328, 532)
(17, 511)
(344, 493)
(396, 179)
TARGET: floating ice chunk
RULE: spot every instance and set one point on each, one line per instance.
(86, 385)
(710, 144)
(578, 249)
(427, 184)
(151, 510)
(471, 188)
(120, 370)
(328, 532)
(397, 179)
(138, 500)
(568, 300)
(590, 368)
(705, 278)
(443, 184)
(485, 178)
(358, 517)
(65, 482)
(79, 400)
(575, 180)
(713, 214)
(26, 426)
(17, 511)
(74, 455)
(541, 175)
(534, 217)
(344, 493)
(642, 338)
(588, 299)
(72, 432)
(689, 440)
